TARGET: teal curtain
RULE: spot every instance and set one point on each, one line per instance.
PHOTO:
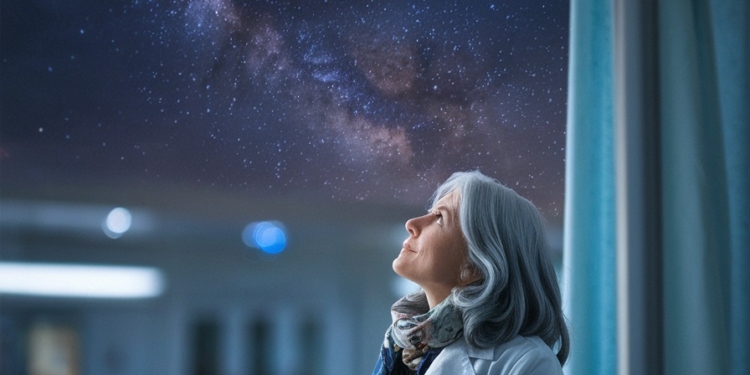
(700, 59)
(731, 26)
(589, 238)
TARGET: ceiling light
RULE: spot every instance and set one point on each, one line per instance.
(78, 280)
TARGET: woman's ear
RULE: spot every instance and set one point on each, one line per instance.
(469, 274)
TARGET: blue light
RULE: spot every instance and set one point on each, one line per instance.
(267, 236)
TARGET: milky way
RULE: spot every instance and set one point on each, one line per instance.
(349, 100)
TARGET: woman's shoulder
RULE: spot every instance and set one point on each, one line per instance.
(521, 355)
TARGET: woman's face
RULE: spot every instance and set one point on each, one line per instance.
(435, 250)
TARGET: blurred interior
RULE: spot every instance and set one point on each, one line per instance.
(226, 307)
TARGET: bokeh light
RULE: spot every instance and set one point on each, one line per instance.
(268, 236)
(118, 222)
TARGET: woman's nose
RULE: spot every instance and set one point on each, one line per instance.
(411, 226)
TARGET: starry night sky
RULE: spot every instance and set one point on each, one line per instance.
(345, 100)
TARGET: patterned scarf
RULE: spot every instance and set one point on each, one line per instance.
(420, 331)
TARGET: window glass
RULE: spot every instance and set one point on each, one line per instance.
(349, 101)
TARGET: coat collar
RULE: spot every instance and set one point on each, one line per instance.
(456, 358)
(478, 353)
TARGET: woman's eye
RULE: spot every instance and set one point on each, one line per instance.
(439, 218)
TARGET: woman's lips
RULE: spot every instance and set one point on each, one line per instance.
(407, 247)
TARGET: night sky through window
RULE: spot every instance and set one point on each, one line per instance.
(345, 100)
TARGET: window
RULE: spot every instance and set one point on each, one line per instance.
(337, 100)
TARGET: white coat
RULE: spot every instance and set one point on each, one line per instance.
(520, 356)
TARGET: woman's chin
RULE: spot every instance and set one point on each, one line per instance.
(399, 267)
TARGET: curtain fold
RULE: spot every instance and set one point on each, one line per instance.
(731, 25)
(589, 268)
(695, 197)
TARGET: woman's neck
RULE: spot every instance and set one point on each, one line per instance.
(435, 297)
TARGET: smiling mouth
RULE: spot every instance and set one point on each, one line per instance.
(407, 247)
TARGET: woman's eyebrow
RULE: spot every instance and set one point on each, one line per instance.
(443, 208)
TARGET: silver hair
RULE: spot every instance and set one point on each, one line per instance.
(518, 293)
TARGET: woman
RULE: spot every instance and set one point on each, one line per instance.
(489, 300)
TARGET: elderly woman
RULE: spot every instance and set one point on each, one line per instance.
(489, 300)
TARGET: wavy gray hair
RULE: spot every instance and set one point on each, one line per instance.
(518, 293)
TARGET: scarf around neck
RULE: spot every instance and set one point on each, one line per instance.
(416, 328)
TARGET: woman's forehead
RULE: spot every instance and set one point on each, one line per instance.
(450, 200)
